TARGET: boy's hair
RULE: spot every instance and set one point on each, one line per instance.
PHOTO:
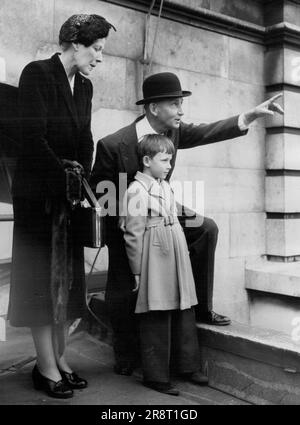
(151, 144)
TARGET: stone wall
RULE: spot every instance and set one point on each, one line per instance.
(224, 73)
(251, 11)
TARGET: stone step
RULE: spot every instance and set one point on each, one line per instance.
(4, 272)
(96, 321)
(257, 365)
(274, 294)
(96, 281)
(274, 277)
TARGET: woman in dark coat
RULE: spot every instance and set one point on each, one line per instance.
(55, 106)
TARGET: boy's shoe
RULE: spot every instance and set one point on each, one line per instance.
(162, 387)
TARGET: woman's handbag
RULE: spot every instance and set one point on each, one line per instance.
(88, 221)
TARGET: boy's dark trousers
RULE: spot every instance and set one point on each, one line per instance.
(168, 339)
(201, 240)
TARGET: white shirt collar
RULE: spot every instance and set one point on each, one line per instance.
(72, 82)
(143, 127)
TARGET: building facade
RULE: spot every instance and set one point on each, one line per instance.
(232, 55)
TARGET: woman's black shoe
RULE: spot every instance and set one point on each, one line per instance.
(73, 380)
(53, 389)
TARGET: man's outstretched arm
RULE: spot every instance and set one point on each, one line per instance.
(196, 135)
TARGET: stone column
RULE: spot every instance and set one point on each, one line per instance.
(282, 75)
(274, 281)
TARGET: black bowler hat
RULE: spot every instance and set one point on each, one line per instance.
(162, 86)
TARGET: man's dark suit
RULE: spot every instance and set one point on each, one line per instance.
(117, 153)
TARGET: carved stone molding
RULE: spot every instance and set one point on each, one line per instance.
(200, 18)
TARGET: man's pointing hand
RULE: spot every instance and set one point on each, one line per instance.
(265, 109)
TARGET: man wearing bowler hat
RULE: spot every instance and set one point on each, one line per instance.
(117, 153)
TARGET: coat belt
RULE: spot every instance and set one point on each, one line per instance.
(160, 235)
(159, 221)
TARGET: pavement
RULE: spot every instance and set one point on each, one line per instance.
(93, 360)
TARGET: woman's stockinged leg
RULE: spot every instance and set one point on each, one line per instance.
(60, 334)
(59, 338)
(46, 360)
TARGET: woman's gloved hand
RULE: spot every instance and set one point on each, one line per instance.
(76, 166)
(74, 174)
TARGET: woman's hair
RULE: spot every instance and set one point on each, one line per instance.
(151, 144)
(84, 29)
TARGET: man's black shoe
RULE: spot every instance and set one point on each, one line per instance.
(196, 377)
(213, 318)
(125, 368)
(162, 387)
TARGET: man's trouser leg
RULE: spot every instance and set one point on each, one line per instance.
(121, 305)
(202, 241)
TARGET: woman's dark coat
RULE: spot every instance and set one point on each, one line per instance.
(55, 125)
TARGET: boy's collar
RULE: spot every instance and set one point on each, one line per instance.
(150, 183)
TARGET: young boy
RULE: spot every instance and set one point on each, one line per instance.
(159, 260)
